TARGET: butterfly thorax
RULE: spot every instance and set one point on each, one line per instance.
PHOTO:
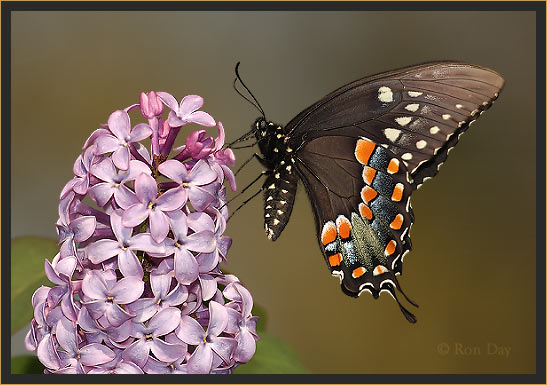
(273, 144)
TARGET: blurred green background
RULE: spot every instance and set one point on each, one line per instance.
(472, 268)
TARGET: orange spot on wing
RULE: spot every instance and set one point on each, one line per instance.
(368, 175)
(366, 212)
(398, 192)
(358, 272)
(390, 248)
(368, 194)
(329, 233)
(344, 227)
(334, 260)
(379, 270)
(363, 150)
(397, 222)
(393, 166)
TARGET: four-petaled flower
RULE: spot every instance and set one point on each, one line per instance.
(165, 321)
(197, 183)
(106, 295)
(122, 136)
(210, 347)
(114, 182)
(150, 205)
(187, 111)
(123, 247)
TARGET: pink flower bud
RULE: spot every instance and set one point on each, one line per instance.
(151, 105)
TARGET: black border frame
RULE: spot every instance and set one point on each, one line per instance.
(539, 7)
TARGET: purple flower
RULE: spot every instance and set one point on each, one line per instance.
(150, 205)
(210, 347)
(117, 366)
(164, 297)
(197, 146)
(185, 264)
(223, 159)
(107, 295)
(148, 339)
(195, 183)
(80, 183)
(60, 273)
(137, 285)
(72, 230)
(114, 182)
(95, 332)
(187, 111)
(72, 357)
(241, 322)
(120, 126)
(123, 247)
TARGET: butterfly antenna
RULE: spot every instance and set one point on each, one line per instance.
(257, 105)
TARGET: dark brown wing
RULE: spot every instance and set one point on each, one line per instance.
(417, 112)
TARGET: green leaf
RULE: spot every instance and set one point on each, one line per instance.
(273, 356)
(27, 275)
(263, 318)
(26, 365)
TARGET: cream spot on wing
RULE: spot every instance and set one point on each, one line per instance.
(412, 107)
(414, 94)
(434, 130)
(406, 156)
(392, 133)
(446, 116)
(421, 144)
(385, 95)
(403, 121)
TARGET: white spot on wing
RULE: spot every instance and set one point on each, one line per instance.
(459, 106)
(392, 133)
(421, 144)
(446, 116)
(406, 156)
(403, 121)
(412, 107)
(385, 95)
(414, 94)
(339, 274)
(434, 130)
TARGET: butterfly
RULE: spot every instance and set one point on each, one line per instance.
(360, 152)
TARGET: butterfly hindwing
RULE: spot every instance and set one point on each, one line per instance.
(360, 197)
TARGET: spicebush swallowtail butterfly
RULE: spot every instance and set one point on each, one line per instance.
(360, 152)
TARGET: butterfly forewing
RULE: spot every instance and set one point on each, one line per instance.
(414, 111)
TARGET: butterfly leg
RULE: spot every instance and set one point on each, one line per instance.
(244, 203)
(245, 188)
(246, 146)
(255, 155)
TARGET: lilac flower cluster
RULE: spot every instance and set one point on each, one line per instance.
(137, 286)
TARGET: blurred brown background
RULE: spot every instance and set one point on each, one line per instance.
(472, 269)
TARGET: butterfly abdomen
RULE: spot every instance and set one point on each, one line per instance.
(281, 184)
(279, 193)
